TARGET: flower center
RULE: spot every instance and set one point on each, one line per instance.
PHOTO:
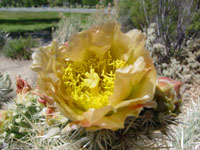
(90, 83)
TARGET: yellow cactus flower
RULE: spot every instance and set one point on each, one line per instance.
(100, 77)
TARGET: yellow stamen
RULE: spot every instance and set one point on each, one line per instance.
(92, 79)
(91, 83)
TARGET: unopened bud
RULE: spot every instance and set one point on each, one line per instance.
(14, 113)
(12, 135)
(18, 120)
(4, 134)
(10, 126)
(28, 104)
(24, 111)
(21, 130)
(38, 108)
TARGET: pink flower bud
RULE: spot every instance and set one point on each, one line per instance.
(165, 83)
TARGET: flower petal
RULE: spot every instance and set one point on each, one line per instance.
(120, 44)
(127, 80)
(114, 121)
(93, 42)
(97, 41)
(93, 115)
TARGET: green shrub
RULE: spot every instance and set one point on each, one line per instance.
(23, 3)
(19, 48)
(3, 37)
(194, 28)
(90, 2)
(73, 2)
(172, 19)
(125, 14)
(106, 2)
(55, 3)
(68, 26)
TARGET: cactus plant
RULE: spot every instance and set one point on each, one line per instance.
(25, 117)
(142, 132)
(22, 117)
(31, 126)
(79, 90)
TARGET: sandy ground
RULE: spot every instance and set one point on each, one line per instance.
(15, 68)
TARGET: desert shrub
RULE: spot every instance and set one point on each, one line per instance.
(194, 29)
(66, 27)
(125, 14)
(172, 19)
(133, 12)
(142, 13)
(19, 48)
(70, 25)
(184, 67)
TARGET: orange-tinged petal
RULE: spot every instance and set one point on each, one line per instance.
(93, 115)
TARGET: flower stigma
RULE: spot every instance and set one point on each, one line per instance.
(91, 83)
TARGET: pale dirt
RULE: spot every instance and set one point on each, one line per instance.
(15, 68)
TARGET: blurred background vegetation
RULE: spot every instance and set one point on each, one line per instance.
(39, 3)
(172, 28)
(175, 21)
(31, 21)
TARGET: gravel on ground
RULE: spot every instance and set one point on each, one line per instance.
(15, 68)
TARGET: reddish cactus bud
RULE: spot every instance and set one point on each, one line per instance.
(50, 111)
(42, 101)
(22, 86)
(164, 83)
(66, 44)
